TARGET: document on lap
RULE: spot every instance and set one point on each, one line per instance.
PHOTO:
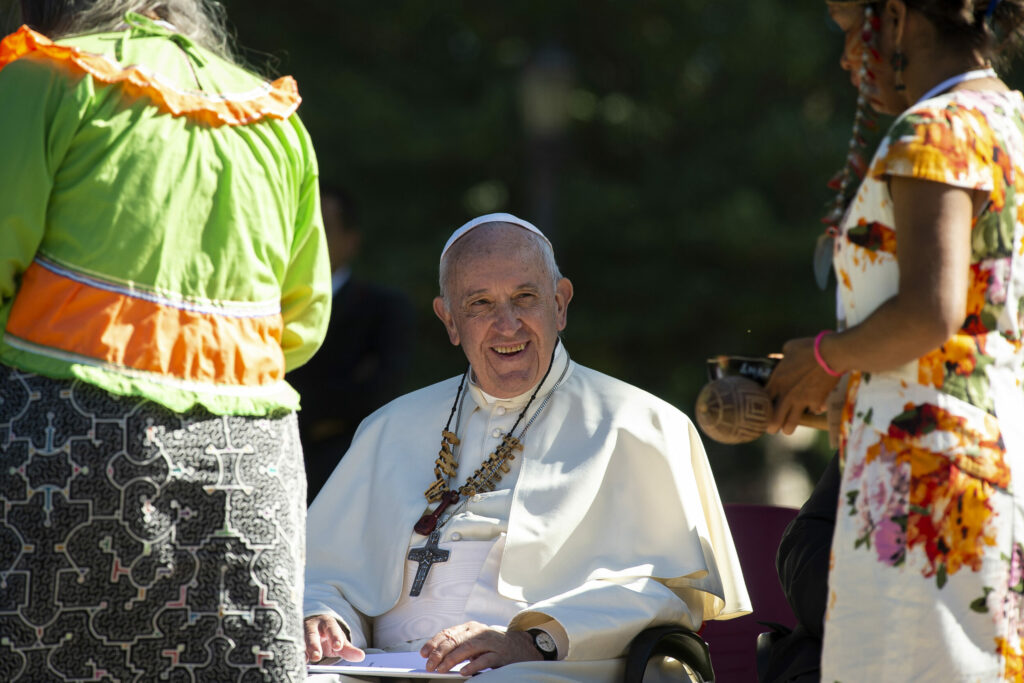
(386, 664)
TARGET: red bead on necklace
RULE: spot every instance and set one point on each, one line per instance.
(428, 522)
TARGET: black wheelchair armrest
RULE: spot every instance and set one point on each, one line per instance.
(676, 642)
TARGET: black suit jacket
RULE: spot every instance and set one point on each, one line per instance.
(361, 366)
(802, 563)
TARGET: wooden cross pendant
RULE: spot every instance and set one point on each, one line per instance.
(426, 556)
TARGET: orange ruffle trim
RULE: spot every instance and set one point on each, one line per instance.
(277, 100)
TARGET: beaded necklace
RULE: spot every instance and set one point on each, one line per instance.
(491, 470)
(855, 165)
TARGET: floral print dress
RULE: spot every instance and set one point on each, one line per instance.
(927, 576)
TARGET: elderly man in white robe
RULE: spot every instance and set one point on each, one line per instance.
(565, 512)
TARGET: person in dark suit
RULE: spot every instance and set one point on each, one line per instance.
(802, 562)
(364, 359)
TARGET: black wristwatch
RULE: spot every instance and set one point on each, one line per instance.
(544, 643)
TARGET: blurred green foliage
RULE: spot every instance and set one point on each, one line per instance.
(676, 151)
(692, 143)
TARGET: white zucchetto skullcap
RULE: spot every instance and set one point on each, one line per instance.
(491, 218)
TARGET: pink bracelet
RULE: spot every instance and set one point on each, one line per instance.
(817, 354)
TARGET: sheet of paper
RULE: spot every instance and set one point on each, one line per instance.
(387, 664)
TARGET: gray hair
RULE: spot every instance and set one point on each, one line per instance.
(457, 251)
(202, 21)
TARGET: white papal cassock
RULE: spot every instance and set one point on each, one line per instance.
(608, 523)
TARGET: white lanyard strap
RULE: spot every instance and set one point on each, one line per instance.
(958, 79)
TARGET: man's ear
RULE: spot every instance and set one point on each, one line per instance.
(563, 295)
(441, 311)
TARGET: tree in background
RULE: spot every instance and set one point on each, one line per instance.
(676, 151)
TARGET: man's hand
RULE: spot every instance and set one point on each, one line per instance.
(485, 648)
(326, 639)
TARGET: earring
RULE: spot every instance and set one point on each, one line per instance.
(898, 63)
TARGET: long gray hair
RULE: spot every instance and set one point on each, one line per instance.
(204, 21)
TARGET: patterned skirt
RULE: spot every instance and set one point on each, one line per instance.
(139, 544)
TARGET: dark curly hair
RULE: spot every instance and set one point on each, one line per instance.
(991, 27)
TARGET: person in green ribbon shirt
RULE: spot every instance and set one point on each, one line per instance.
(162, 265)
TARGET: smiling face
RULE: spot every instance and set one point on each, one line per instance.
(504, 307)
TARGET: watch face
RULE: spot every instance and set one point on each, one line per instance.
(544, 641)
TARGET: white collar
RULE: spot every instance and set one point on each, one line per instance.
(957, 80)
(485, 400)
(339, 278)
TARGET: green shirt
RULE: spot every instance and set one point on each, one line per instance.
(154, 253)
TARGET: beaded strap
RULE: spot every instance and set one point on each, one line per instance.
(491, 469)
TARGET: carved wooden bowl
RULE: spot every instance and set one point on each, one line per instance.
(733, 409)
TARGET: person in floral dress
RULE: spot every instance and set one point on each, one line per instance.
(927, 572)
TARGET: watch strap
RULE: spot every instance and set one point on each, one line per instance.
(545, 644)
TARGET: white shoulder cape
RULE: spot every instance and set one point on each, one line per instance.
(614, 484)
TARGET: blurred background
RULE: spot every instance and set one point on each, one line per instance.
(676, 152)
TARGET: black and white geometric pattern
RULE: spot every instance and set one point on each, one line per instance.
(138, 544)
